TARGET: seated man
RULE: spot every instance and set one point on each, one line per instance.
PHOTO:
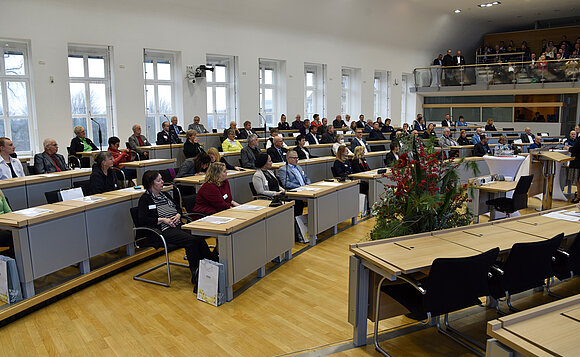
(174, 127)
(297, 124)
(312, 137)
(197, 126)
(250, 152)
(477, 136)
(277, 152)
(571, 141)
(446, 140)
(49, 160)
(322, 128)
(359, 141)
(274, 132)
(481, 148)
(230, 143)
(119, 157)
(234, 127)
(292, 176)
(537, 143)
(328, 137)
(527, 137)
(165, 136)
(376, 133)
(387, 128)
(136, 140)
(9, 166)
(247, 130)
(338, 123)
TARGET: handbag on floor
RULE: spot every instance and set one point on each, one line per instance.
(10, 291)
(211, 284)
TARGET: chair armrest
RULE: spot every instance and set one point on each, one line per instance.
(262, 197)
(187, 216)
(561, 251)
(154, 230)
(497, 269)
(414, 284)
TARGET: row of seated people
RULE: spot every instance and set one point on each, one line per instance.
(503, 52)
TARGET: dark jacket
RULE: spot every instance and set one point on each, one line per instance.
(463, 141)
(191, 150)
(244, 134)
(301, 155)
(77, 146)
(342, 169)
(164, 138)
(275, 156)
(575, 151)
(390, 159)
(148, 217)
(481, 149)
(359, 167)
(44, 164)
(248, 156)
(99, 182)
(283, 126)
(310, 139)
(376, 135)
(328, 138)
(525, 138)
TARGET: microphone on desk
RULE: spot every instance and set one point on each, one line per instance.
(100, 133)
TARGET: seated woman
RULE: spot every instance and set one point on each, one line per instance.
(502, 144)
(340, 142)
(158, 210)
(461, 121)
(392, 157)
(194, 166)
(463, 140)
(359, 163)
(301, 149)
(230, 143)
(103, 179)
(341, 165)
(283, 124)
(215, 194)
(6, 235)
(80, 143)
(215, 156)
(119, 157)
(191, 147)
(429, 132)
(264, 180)
(353, 127)
(489, 126)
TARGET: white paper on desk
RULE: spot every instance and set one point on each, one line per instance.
(88, 199)
(562, 216)
(84, 169)
(329, 184)
(249, 207)
(215, 220)
(73, 193)
(32, 212)
(132, 189)
(573, 213)
(298, 189)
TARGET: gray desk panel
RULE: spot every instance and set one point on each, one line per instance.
(316, 172)
(58, 243)
(109, 227)
(348, 199)
(17, 197)
(249, 250)
(319, 152)
(35, 192)
(240, 187)
(376, 162)
(279, 233)
(326, 212)
(234, 160)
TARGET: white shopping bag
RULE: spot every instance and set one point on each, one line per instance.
(211, 282)
(302, 222)
(362, 204)
(10, 291)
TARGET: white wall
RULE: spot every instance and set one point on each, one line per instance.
(390, 35)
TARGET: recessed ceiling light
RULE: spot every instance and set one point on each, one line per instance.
(457, 11)
(490, 4)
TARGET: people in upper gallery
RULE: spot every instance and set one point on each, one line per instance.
(292, 176)
(6, 235)
(298, 124)
(438, 61)
(283, 124)
(301, 149)
(9, 166)
(489, 125)
(340, 142)
(306, 128)
(158, 210)
(264, 180)
(192, 147)
(277, 151)
(119, 157)
(49, 160)
(537, 143)
(502, 144)
(447, 122)
(230, 144)
(215, 194)
(194, 165)
(461, 121)
(341, 165)
(448, 59)
(463, 140)
(361, 121)
(446, 140)
(312, 137)
(571, 140)
(315, 120)
(103, 179)
(376, 133)
(359, 163)
(368, 126)
(429, 132)
(215, 156)
(247, 130)
(250, 152)
(481, 148)
(80, 143)
(323, 128)
(458, 60)
(329, 136)
(167, 136)
(527, 136)
(274, 132)
(197, 126)
(392, 157)
(359, 141)
(476, 137)
(338, 123)
(387, 128)
(174, 127)
(574, 169)
(137, 140)
(234, 127)
(419, 124)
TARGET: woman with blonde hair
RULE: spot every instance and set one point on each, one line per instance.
(215, 194)
(489, 125)
(215, 156)
(359, 163)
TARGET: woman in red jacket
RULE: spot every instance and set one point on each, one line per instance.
(215, 194)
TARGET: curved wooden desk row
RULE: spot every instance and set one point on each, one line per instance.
(415, 253)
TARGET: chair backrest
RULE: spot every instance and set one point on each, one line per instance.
(456, 283)
(53, 196)
(166, 176)
(252, 188)
(528, 264)
(333, 171)
(574, 258)
(84, 185)
(120, 173)
(524, 185)
(135, 215)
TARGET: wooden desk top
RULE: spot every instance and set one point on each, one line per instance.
(200, 179)
(541, 226)
(323, 188)
(57, 211)
(87, 205)
(372, 174)
(231, 153)
(555, 156)
(33, 179)
(90, 153)
(498, 186)
(24, 159)
(150, 162)
(160, 147)
(546, 330)
(316, 160)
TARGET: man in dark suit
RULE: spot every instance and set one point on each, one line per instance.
(361, 121)
(246, 131)
(322, 127)
(458, 60)
(438, 61)
(448, 59)
(174, 127)
(338, 123)
(446, 122)
(234, 127)
(481, 148)
(49, 161)
(328, 137)
(448, 73)
(376, 133)
(297, 124)
(277, 152)
(166, 136)
(312, 137)
(527, 137)
(387, 128)
(359, 141)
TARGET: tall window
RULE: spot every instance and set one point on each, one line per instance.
(272, 88)
(351, 91)
(314, 90)
(90, 90)
(345, 96)
(159, 68)
(382, 99)
(15, 94)
(221, 91)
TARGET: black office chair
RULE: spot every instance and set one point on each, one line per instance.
(151, 237)
(452, 284)
(255, 193)
(519, 199)
(73, 162)
(168, 175)
(84, 185)
(527, 266)
(120, 176)
(508, 129)
(333, 171)
(567, 263)
(53, 196)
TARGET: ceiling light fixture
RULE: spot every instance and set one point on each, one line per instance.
(490, 4)
(457, 11)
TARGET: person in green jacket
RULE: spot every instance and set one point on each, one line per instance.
(5, 236)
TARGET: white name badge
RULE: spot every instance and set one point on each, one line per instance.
(225, 196)
(152, 207)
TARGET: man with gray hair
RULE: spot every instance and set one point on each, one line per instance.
(250, 152)
(446, 140)
(136, 140)
(49, 160)
(197, 126)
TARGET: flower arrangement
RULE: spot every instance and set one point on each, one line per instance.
(424, 193)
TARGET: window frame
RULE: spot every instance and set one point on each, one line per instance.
(154, 57)
(318, 89)
(231, 93)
